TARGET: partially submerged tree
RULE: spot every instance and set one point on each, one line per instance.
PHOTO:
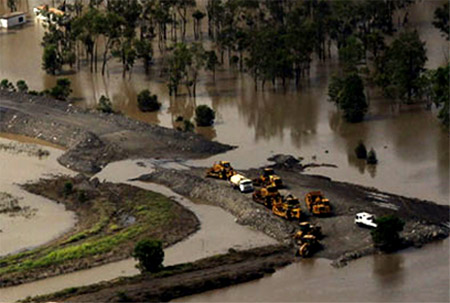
(204, 115)
(148, 102)
(386, 235)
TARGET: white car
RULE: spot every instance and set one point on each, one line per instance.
(365, 219)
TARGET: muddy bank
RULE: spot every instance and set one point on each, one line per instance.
(111, 219)
(94, 139)
(183, 279)
(424, 221)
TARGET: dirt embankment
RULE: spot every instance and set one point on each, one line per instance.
(424, 221)
(112, 218)
(94, 139)
(183, 279)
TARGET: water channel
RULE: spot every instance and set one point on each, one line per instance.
(412, 148)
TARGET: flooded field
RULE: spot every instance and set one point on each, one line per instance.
(412, 148)
(217, 234)
(40, 220)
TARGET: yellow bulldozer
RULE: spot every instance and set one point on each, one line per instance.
(221, 170)
(307, 228)
(288, 208)
(317, 204)
(267, 196)
(307, 246)
(269, 177)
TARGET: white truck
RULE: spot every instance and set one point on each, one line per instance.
(364, 219)
(242, 183)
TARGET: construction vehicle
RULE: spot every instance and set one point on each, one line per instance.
(288, 208)
(269, 177)
(242, 183)
(317, 204)
(221, 170)
(267, 196)
(308, 245)
(307, 228)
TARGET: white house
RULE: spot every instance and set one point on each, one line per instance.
(12, 19)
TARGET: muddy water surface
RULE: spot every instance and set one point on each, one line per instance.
(44, 220)
(411, 276)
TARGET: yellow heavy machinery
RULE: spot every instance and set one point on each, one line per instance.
(267, 196)
(307, 228)
(269, 177)
(317, 204)
(221, 170)
(308, 245)
(288, 208)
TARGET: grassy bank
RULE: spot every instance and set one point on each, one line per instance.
(111, 219)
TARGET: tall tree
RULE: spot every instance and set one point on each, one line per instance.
(441, 19)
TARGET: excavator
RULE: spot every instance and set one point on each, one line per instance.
(317, 204)
(269, 177)
(288, 208)
(267, 196)
(221, 170)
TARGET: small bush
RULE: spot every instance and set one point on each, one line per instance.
(204, 115)
(372, 157)
(68, 188)
(82, 197)
(6, 85)
(179, 119)
(361, 151)
(149, 254)
(148, 102)
(123, 297)
(104, 105)
(188, 126)
(22, 86)
(34, 93)
(62, 89)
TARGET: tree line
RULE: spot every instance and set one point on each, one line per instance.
(274, 41)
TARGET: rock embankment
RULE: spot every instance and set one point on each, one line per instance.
(94, 139)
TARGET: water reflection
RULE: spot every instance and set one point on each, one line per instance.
(388, 270)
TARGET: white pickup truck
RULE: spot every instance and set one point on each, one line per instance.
(242, 183)
(365, 220)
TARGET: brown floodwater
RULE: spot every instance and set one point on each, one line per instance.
(412, 148)
(218, 232)
(45, 219)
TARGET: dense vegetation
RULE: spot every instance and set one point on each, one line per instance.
(274, 41)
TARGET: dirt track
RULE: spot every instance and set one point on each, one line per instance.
(425, 221)
(181, 280)
(94, 139)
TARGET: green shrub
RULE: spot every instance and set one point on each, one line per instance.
(148, 102)
(34, 93)
(188, 126)
(6, 85)
(386, 235)
(204, 115)
(149, 254)
(123, 297)
(22, 86)
(372, 157)
(68, 188)
(105, 105)
(82, 197)
(62, 89)
(361, 151)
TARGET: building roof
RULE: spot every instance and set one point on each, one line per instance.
(12, 15)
